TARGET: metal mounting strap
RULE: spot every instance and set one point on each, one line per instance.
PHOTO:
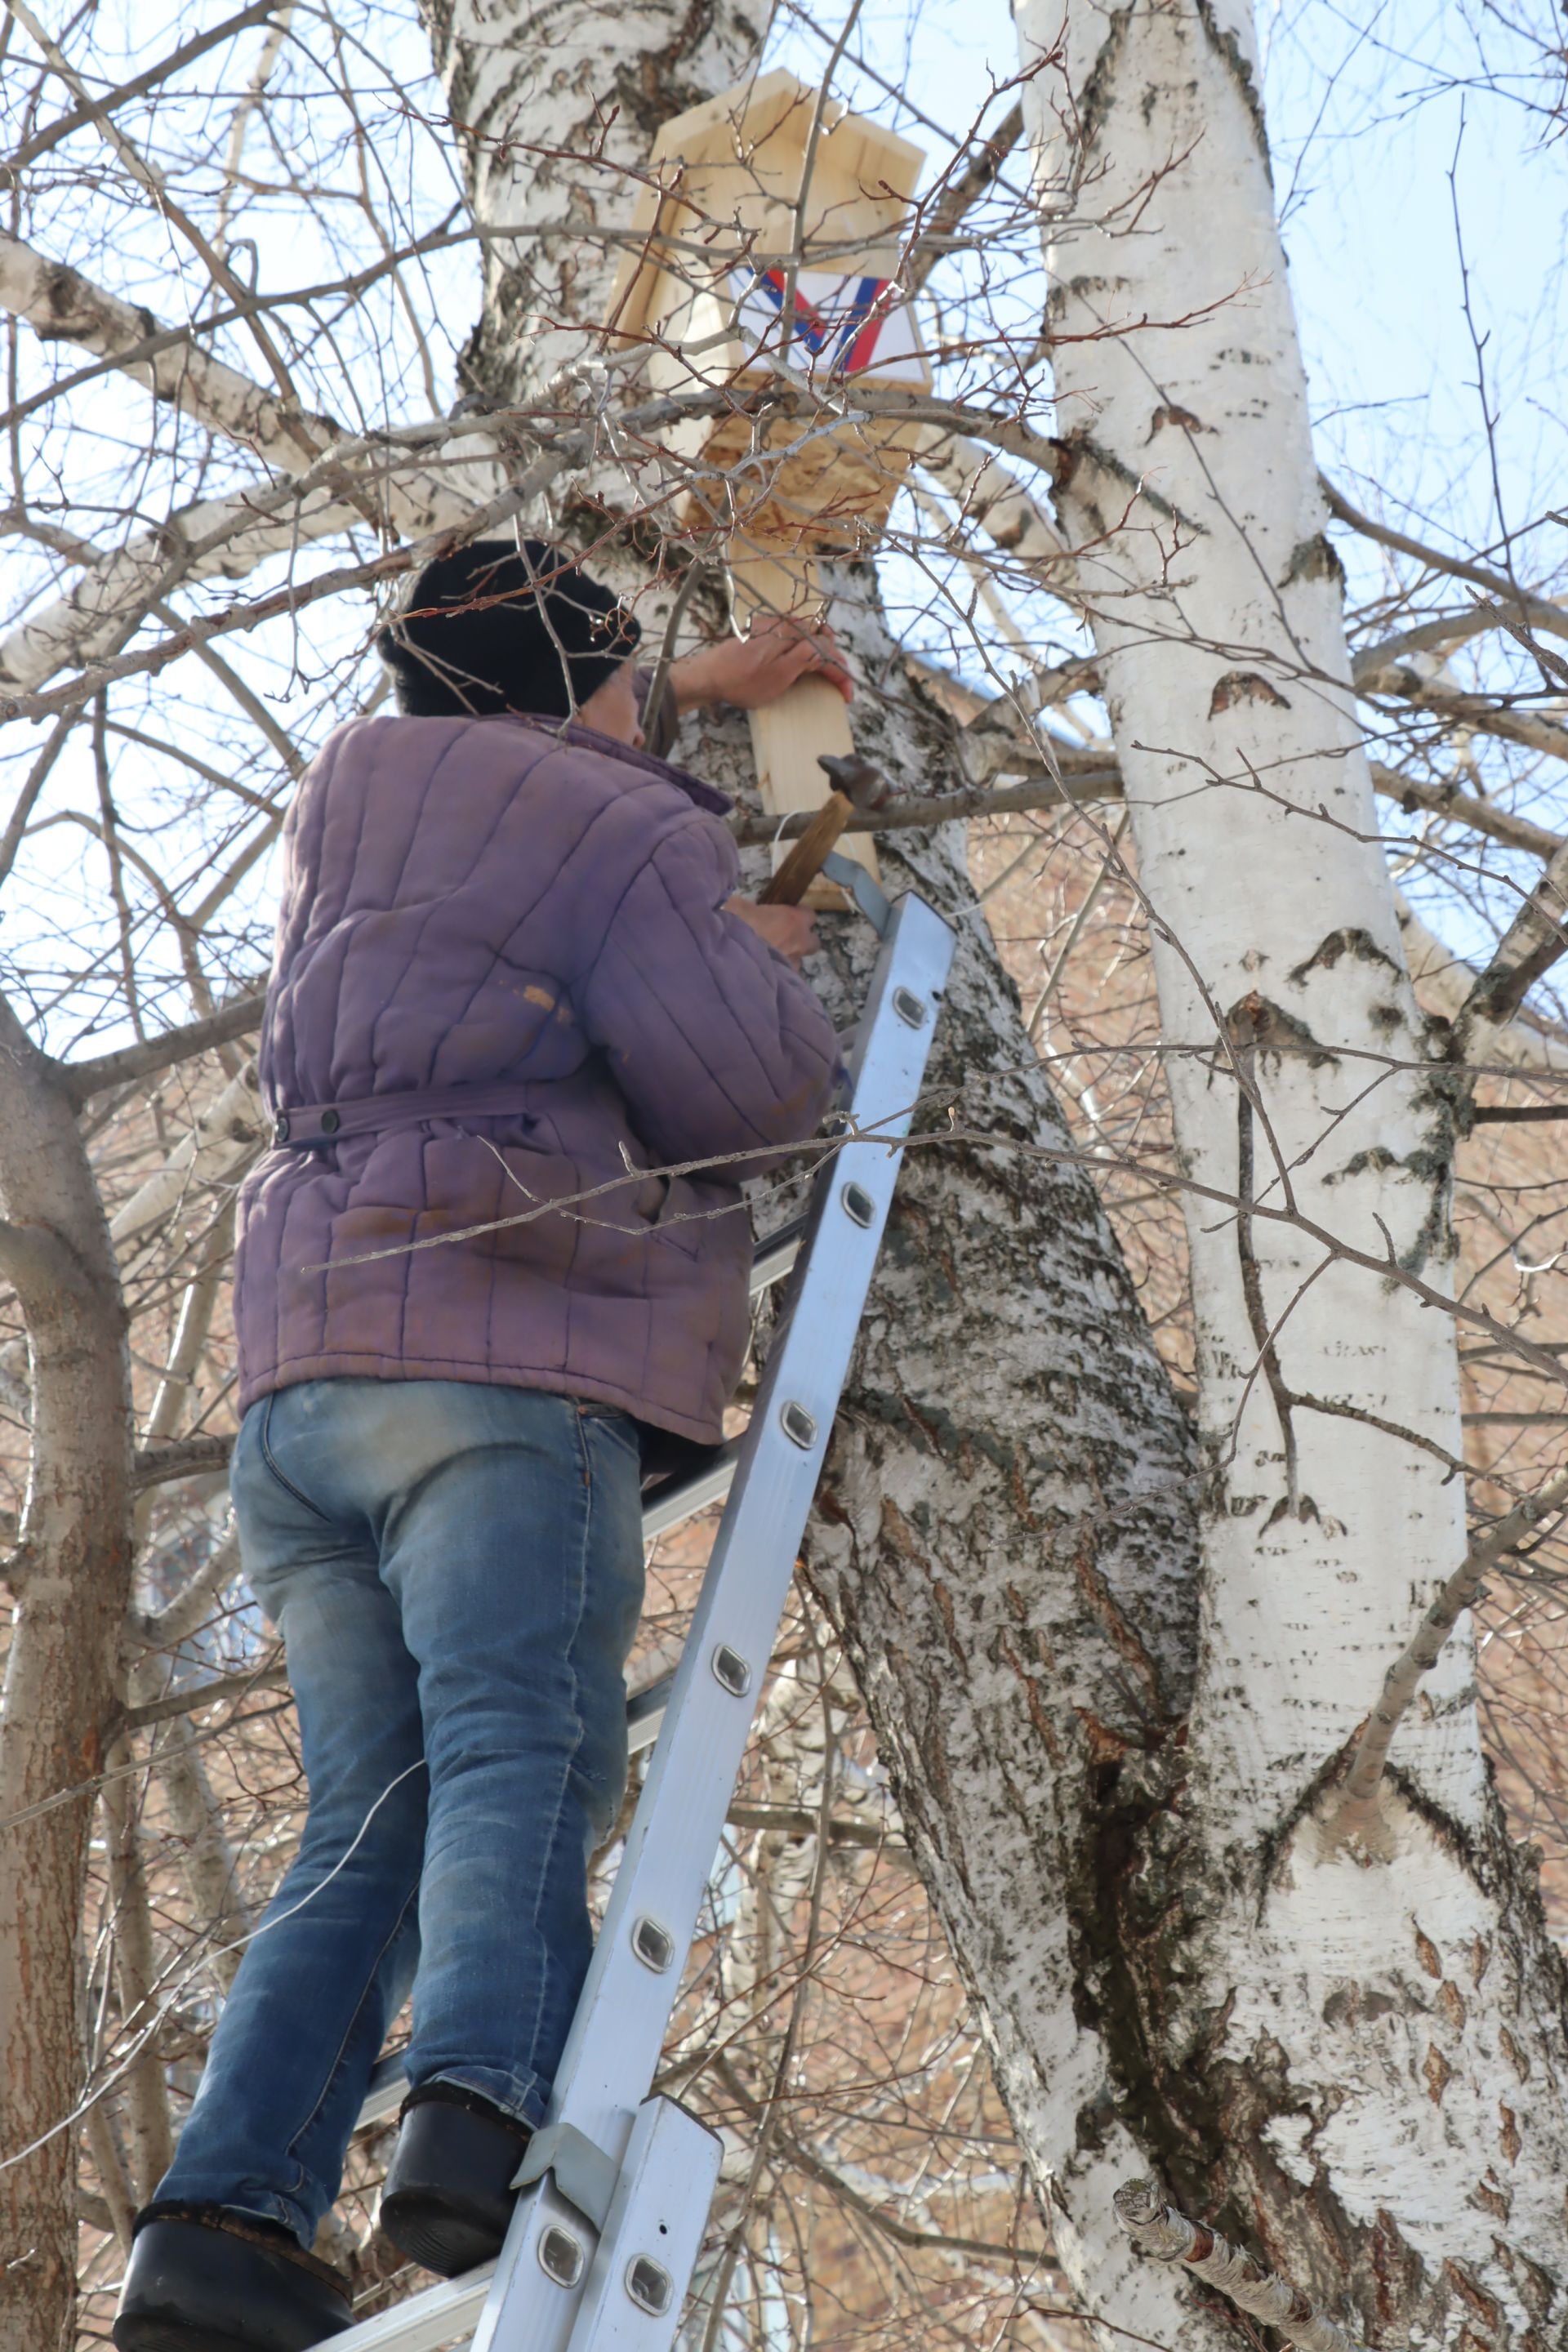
(584, 2175)
(867, 895)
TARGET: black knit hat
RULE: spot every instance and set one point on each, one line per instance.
(501, 627)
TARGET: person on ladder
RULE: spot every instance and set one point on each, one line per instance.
(512, 980)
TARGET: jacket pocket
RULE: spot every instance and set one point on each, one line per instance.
(679, 1214)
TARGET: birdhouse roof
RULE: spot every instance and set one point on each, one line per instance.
(727, 174)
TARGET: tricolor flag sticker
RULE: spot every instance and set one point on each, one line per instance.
(842, 326)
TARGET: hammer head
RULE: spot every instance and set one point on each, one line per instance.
(856, 778)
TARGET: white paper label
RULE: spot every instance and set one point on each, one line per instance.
(843, 326)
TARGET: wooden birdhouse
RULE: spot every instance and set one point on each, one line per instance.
(770, 240)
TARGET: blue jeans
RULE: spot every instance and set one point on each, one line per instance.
(458, 1573)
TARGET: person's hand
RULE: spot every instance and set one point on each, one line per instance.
(791, 931)
(757, 668)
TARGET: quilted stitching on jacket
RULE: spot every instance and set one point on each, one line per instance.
(474, 901)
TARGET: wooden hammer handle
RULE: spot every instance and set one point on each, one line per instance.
(804, 863)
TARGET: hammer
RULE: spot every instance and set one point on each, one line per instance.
(856, 784)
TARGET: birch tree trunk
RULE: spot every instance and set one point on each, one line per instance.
(1362, 2053)
(1005, 1538)
(558, 106)
(70, 1577)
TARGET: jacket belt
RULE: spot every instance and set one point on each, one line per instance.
(297, 1130)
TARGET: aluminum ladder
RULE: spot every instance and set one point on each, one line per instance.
(617, 2184)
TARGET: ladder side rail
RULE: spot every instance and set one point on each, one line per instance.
(632, 2292)
(707, 1724)
(616, 2039)
(638, 1964)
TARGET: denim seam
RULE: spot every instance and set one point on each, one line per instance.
(578, 1727)
(525, 2106)
(287, 1483)
(334, 2070)
(413, 1492)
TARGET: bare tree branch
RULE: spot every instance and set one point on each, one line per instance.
(220, 1145)
(1088, 786)
(149, 346)
(1010, 748)
(1464, 808)
(1356, 1817)
(1441, 634)
(113, 100)
(82, 1080)
(179, 1457)
(1445, 980)
(1157, 2229)
(306, 439)
(222, 535)
(1533, 943)
(165, 1628)
(965, 188)
(1539, 610)
(1478, 713)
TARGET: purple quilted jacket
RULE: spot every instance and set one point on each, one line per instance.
(491, 905)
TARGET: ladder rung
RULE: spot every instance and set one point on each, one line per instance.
(423, 2324)
(388, 2082)
(777, 1255)
(682, 1498)
(645, 1711)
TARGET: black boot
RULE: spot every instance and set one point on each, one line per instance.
(203, 2280)
(449, 2194)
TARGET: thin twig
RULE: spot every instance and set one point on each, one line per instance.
(1356, 1813)
(186, 54)
(1540, 609)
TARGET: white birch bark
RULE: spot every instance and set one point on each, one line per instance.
(562, 119)
(1006, 1540)
(1376, 2050)
(218, 1150)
